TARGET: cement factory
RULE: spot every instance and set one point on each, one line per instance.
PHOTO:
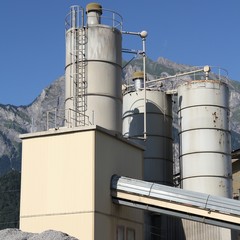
(107, 172)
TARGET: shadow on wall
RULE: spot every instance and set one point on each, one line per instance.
(158, 165)
(171, 228)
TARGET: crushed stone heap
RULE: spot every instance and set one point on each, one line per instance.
(16, 234)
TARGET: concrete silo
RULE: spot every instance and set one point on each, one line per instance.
(205, 146)
(93, 69)
(158, 162)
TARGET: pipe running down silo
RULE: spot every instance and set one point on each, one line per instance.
(93, 69)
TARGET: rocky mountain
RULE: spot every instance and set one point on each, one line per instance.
(15, 120)
(23, 119)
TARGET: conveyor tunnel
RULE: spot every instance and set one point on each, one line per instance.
(157, 198)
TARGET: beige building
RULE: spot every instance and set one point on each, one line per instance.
(66, 175)
(236, 173)
(236, 182)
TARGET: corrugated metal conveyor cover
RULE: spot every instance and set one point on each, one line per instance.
(176, 195)
(223, 205)
(130, 185)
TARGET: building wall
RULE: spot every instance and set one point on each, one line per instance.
(57, 183)
(236, 178)
(66, 183)
(122, 159)
(236, 187)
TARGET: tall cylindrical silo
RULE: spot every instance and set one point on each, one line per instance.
(205, 148)
(205, 144)
(93, 71)
(158, 162)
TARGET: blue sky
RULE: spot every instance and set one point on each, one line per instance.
(192, 32)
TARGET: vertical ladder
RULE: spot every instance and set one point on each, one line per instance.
(80, 80)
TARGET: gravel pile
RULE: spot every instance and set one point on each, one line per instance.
(16, 234)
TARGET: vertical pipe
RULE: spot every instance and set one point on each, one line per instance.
(144, 82)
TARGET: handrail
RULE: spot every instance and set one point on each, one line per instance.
(56, 118)
(112, 18)
(217, 74)
(76, 18)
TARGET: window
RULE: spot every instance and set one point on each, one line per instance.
(130, 234)
(120, 233)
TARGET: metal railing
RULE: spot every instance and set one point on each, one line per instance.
(112, 18)
(196, 74)
(76, 18)
(57, 118)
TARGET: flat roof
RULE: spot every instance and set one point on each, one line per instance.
(66, 130)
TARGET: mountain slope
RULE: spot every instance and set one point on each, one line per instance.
(18, 120)
(9, 199)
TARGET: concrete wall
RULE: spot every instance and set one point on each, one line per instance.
(66, 183)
